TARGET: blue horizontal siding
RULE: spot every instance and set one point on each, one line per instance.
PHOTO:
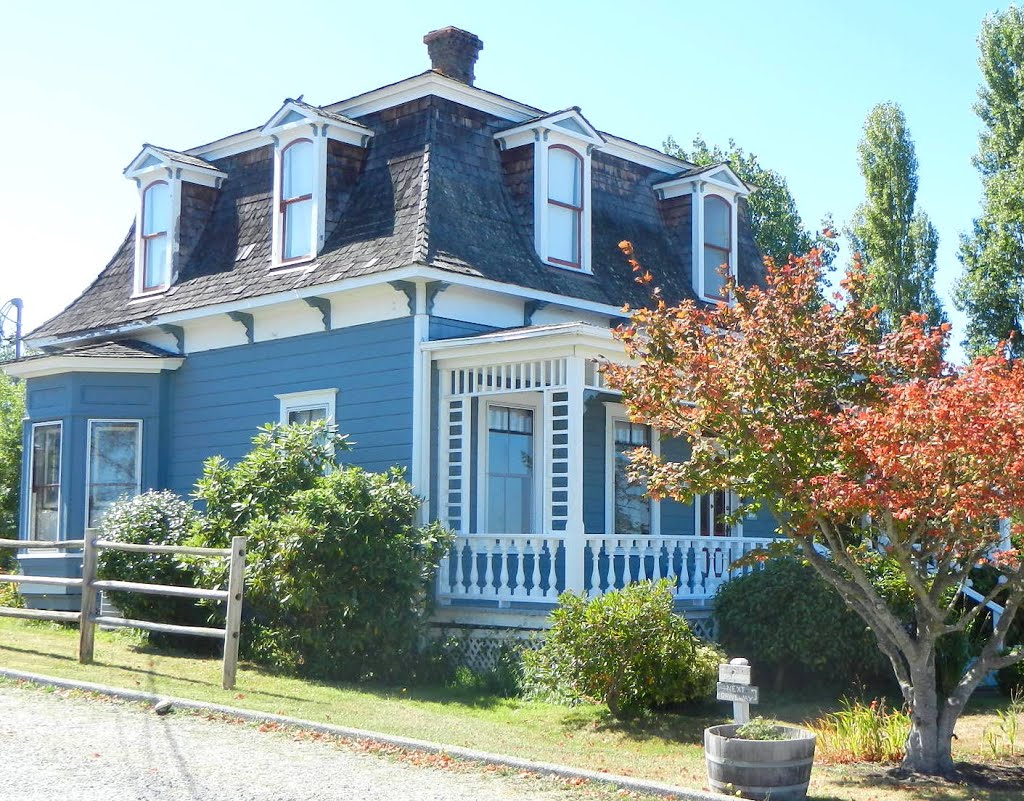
(594, 446)
(446, 328)
(219, 398)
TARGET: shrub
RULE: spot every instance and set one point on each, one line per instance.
(760, 729)
(785, 616)
(626, 648)
(154, 518)
(1011, 679)
(862, 733)
(338, 576)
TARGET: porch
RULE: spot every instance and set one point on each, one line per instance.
(529, 450)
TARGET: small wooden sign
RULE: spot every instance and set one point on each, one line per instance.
(731, 691)
(740, 674)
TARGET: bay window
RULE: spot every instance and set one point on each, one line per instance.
(113, 466)
(44, 472)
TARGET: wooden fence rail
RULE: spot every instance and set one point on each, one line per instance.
(88, 618)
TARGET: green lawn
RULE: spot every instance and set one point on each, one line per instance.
(663, 747)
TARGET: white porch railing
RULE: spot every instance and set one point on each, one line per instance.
(532, 568)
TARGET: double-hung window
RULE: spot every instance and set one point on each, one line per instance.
(156, 223)
(717, 245)
(632, 507)
(565, 206)
(44, 508)
(510, 476)
(114, 467)
(296, 209)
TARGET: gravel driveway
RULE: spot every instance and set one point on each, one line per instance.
(78, 749)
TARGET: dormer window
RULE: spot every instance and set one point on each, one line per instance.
(712, 194)
(164, 177)
(562, 145)
(156, 223)
(565, 205)
(717, 245)
(300, 133)
(296, 208)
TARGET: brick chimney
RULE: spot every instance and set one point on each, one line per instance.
(453, 52)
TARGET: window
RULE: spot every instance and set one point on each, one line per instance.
(717, 245)
(307, 407)
(565, 206)
(44, 508)
(297, 200)
(510, 470)
(632, 507)
(710, 509)
(156, 219)
(114, 467)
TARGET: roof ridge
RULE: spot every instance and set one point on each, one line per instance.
(421, 246)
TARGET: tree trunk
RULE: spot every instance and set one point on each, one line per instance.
(929, 747)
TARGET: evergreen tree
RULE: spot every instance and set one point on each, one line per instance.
(991, 290)
(897, 242)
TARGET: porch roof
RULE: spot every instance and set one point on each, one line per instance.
(530, 342)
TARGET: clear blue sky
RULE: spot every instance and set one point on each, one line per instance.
(85, 84)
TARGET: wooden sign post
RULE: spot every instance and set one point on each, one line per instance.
(734, 685)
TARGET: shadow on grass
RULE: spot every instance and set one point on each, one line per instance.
(978, 780)
(683, 725)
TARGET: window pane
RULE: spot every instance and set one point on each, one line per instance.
(156, 206)
(156, 262)
(509, 470)
(113, 465)
(45, 510)
(297, 170)
(713, 280)
(565, 173)
(306, 416)
(717, 223)
(298, 221)
(632, 507)
(563, 234)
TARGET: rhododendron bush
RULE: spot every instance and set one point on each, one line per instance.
(859, 443)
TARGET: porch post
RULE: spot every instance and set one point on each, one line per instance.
(575, 536)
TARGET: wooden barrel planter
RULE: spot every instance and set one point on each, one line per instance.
(759, 769)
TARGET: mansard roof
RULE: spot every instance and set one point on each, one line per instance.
(430, 189)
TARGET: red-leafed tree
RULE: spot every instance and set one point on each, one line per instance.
(860, 442)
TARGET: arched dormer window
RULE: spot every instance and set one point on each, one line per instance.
(565, 206)
(718, 238)
(296, 205)
(156, 223)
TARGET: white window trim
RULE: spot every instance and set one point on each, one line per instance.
(88, 456)
(311, 399)
(541, 148)
(282, 139)
(174, 209)
(540, 467)
(736, 529)
(614, 412)
(60, 481)
(701, 189)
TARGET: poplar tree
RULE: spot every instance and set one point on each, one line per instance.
(897, 242)
(991, 289)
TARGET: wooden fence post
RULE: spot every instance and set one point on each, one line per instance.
(86, 620)
(232, 628)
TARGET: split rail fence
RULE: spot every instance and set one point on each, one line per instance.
(88, 618)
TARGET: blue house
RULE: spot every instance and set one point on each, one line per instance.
(432, 266)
